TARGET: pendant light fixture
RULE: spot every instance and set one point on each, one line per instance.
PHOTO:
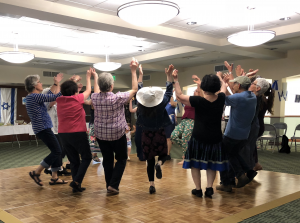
(107, 66)
(251, 37)
(148, 13)
(16, 56)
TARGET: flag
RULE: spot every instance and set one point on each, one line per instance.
(8, 105)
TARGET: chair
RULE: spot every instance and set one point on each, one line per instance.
(294, 137)
(270, 128)
(280, 125)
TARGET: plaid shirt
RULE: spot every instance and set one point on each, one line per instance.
(110, 123)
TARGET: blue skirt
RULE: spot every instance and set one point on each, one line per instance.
(205, 156)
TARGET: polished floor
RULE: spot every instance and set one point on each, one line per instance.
(173, 202)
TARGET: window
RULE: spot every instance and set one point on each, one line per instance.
(291, 107)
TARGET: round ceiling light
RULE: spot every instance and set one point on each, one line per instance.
(148, 13)
(251, 38)
(107, 66)
(16, 56)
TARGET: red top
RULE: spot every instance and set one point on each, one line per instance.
(189, 112)
(70, 113)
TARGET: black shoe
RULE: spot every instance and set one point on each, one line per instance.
(158, 171)
(68, 166)
(198, 193)
(46, 171)
(242, 181)
(168, 157)
(209, 192)
(76, 187)
(63, 172)
(82, 188)
(152, 190)
(251, 174)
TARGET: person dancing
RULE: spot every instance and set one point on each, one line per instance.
(205, 150)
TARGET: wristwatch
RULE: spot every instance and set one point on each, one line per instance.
(55, 84)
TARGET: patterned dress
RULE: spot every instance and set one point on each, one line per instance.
(92, 138)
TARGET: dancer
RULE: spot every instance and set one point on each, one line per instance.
(183, 132)
(42, 124)
(138, 134)
(170, 108)
(72, 127)
(110, 125)
(52, 111)
(128, 137)
(153, 118)
(205, 150)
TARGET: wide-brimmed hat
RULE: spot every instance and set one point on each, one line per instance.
(150, 96)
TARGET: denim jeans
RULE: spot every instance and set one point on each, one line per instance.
(54, 158)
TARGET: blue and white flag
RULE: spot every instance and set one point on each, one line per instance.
(8, 105)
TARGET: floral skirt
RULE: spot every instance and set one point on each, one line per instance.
(93, 141)
(205, 156)
(154, 143)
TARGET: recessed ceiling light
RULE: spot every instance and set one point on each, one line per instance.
(285, 18)
(191, 23)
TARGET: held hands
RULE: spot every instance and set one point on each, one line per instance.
(94, 73)
(229, 67)
(141, 70)
(89, 73)
(75, 78)
(175, 74)
(58, 78)
(134, 64)
(169, 70)
(196, 79)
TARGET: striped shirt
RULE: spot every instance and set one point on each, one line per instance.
(110, 123)
(37, 111)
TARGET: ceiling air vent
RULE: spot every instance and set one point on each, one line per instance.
(146, 78)
(49, 73)
(220, 68)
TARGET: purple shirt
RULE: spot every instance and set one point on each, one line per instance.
(110, 123)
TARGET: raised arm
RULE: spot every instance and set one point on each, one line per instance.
(88, 89)
(96, 86)
(133, 66)
(223, 84)
(185, 99)
(41, 98)
(141, 74)
(132, 110)
(55, 88)
(173, 103)
(198, 82)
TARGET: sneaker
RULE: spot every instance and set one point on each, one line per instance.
(128, 158)
(63, 172)
(158, 171)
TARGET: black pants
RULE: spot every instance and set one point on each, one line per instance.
(138, 143)
(151, 166)
(54, 158)
(63, 152)
(237, 164)
(113, 174)
(75, 144)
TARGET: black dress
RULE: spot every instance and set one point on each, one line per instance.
(205, 146)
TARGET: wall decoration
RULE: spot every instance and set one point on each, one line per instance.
(297, 98)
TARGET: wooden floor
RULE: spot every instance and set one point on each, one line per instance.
(173, 202)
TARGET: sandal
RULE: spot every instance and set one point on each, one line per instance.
(54, 181)
(36, 178)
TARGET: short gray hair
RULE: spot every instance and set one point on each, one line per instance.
(263, 84)
(30, 82)
(105, 81)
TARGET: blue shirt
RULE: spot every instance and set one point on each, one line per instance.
(37, 110)
(171, 112)
(242, 111)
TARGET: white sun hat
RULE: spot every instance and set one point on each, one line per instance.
(150, 96)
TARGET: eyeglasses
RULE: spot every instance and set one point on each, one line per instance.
(254, 84)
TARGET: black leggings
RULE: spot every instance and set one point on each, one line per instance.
(151, 166)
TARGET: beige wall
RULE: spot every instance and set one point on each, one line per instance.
(270, 69)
